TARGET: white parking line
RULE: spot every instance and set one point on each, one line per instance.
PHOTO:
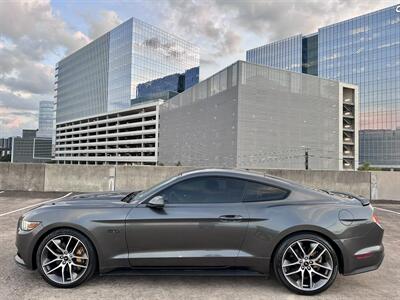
(388, 210)
(1, 192)
(33, 205)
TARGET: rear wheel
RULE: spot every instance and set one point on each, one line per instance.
(66, 258)
(306, 264)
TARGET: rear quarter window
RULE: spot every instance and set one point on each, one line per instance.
(257, 192)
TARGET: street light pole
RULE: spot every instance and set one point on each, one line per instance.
(306, 156)
(306, 159)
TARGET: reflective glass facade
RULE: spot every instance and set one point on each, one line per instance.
(175, 83)
(45, 119)
(284, 54)
(119, 66)
(192, 77)
(364, 51)
(82, 81)
(310, 55)
(104, 75)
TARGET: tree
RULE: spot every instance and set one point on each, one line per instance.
(367, 167)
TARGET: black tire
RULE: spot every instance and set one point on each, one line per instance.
(284, 246)
(91, 264)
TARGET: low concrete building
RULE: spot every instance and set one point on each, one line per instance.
(253, 116)
(31, 149)
(124, 137)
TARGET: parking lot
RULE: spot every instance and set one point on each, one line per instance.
(16, 283)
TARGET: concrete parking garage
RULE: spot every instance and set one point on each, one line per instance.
(16, 283)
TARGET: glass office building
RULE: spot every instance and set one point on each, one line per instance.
(284, 54)
(168, 85)
(104, 75)
(364, 51)
(45, 119)
(172, 82)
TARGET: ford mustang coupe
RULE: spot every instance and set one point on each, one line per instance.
(212, 221)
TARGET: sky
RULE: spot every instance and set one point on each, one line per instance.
(36, 34)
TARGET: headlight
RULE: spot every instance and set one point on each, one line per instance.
(28, 225)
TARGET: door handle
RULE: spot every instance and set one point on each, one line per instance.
(231, 218)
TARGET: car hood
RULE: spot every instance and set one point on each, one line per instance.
(93, 199)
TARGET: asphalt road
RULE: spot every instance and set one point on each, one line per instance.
(16, 283)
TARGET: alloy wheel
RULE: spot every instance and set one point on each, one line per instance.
(64, 259)
(307, 264)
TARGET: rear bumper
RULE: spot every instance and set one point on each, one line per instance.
(370, 262)
(363, 254)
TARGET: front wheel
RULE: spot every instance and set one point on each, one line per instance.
(66, 258)
(306, 264)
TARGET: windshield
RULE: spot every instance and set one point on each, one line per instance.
(143, 194)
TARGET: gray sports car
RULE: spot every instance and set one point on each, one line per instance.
(217, 222)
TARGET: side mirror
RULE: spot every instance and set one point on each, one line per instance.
(156, 202)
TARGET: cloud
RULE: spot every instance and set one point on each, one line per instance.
(207, 62)
(30, 32)
(19, 102)
(21, 73)
(16, 112)
(36, 28)
(107, 20)
(279, 19)
(11, 124)
(204, 23)
(14, 123)
(168, 49)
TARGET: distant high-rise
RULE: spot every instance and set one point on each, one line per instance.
(46, 117)
(104, 75)
(364, 51)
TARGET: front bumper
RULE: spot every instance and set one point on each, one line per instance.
(25, 242)
(20, 262)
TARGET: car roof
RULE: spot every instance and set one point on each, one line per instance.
(220, 170)
(239, 173)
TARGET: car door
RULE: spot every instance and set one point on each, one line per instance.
(266, 218)
(202, 224)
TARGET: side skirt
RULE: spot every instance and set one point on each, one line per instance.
(183, 272)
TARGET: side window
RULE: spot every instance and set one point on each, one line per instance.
(263, 192)
(208, 189)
